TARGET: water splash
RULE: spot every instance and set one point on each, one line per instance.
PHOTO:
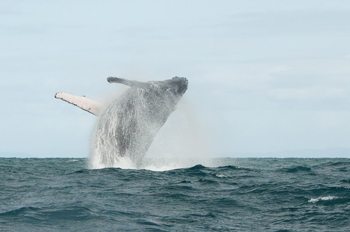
(180, 143)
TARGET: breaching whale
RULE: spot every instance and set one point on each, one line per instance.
(127, 126)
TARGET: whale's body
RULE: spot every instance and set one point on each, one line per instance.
(128, 125)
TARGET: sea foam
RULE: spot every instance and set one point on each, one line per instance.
(325, 198)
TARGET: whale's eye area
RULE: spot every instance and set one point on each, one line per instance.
(178, 85)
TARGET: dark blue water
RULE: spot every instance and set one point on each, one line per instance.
(240, 195)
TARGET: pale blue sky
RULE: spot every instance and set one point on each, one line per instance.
(266, 77)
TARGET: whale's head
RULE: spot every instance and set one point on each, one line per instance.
(176, 85)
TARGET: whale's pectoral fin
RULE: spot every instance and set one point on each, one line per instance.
(82, 102)
(130, 83)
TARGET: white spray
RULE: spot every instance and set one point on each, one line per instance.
(128, 126)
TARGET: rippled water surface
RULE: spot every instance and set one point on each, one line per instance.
(237, 195)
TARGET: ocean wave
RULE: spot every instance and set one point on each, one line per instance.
(37, 213)
(296, 169)
(207, 181)
(330, 200)
(235, 195)
(336, 163)
(325, 198)
(19, 211)
(220, 175)
(196, 167)
(233, 167)
(347, 181)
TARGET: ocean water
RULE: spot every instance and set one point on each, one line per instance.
(233, 195)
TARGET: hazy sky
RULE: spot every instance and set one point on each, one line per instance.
(266, 77)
